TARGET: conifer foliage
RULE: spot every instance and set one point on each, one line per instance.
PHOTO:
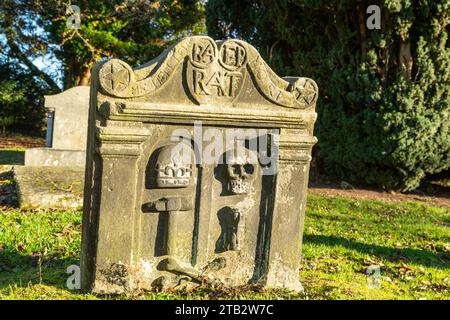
(384, 104)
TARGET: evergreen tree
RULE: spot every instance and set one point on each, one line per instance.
(384, 104)
(39, 37)
(136, 31)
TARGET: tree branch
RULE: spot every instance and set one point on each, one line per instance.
(33, 69)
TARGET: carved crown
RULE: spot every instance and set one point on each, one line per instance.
(174, 175)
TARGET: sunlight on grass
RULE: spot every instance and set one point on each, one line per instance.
(408, 242)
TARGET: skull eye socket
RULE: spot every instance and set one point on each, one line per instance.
(236, 169)
(249, 168)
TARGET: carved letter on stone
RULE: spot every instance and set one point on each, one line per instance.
(232, 55)
(212, 75)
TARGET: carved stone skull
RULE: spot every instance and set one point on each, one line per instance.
(240, 171)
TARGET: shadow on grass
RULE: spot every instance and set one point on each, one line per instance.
(418, 256)
(20, 270)
(8, 191)
(12, 157)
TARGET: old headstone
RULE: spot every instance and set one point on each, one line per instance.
(66, 131)
(197, 170)
(53, 176)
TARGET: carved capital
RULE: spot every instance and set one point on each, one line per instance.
(121, 141)
(295, 147)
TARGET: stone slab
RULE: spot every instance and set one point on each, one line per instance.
(197, 170)
(40, 187)
(68, 134)
(70, 118)
(54, 157)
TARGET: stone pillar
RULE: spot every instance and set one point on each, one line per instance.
(286, 227)
(112, 247)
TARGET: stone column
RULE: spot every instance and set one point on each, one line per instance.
(286, 233)
(111, 235)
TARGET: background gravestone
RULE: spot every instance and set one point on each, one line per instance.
(152, 220)
(69, 111)
(53, 177)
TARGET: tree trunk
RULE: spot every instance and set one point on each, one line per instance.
(15, 49)
(405, 59)
(75, 74)
(85, 77)
(362, 28)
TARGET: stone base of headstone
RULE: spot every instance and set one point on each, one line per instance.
(54, 157)
(49, 187)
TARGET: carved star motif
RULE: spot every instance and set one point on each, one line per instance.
(116, 77)
(306, 93)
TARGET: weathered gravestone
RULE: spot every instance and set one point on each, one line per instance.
(66, 132)
(197, 170)
(53, 177)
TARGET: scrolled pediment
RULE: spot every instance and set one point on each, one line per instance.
(214, 73)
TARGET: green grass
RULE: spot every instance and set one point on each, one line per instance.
(410, 242)
(12, 156)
